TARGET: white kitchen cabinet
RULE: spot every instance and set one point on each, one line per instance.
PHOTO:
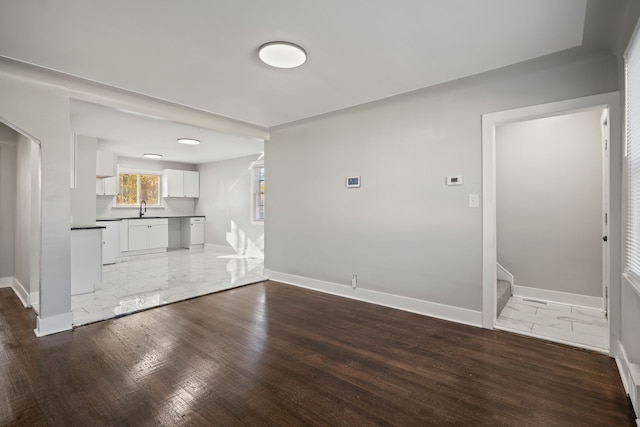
(86, 259)
(110, 241)
(179, 183)
(106, 164)
(191, 184)
(150, 233)
(124, 235)
(192, 233)
(107, 186)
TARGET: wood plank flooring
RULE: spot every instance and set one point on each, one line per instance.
(273, 354)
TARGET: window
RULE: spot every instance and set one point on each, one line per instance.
(134, 187)
(258, 193)
(632, 111)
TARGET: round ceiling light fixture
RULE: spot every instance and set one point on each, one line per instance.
(282, 54)
(188, 141)
(152, 155)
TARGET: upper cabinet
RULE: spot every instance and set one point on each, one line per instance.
(179, 183)
(106, 164)
(107, 186)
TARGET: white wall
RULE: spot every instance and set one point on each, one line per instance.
(83, 196)
(225, 200)
(403, 232)
(8, 197)
(549, 202)
(105, 206)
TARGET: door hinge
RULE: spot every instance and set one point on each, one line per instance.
(606, 144)
(606, 218)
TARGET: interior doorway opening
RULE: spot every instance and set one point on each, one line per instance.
(553, 258)
(20, 215)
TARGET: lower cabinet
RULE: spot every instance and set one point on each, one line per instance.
(86, 260)
(192, 233)
(110, 241)
(148, 234)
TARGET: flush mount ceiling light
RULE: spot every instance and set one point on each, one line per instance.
(282, 54)
(152, 156)
(188, 141)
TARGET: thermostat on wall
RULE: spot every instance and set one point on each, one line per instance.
(455, 180)
(353, 181)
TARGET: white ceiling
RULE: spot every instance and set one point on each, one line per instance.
(203, 54)
(132, 135)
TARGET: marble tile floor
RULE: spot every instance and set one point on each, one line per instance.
(155, 280)
(578, 326)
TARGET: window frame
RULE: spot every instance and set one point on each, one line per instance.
(254, 193)
(631, 262)
(139, 172)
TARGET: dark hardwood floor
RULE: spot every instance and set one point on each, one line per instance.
(273, 354)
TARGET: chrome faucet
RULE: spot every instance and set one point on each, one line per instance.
(145, 208)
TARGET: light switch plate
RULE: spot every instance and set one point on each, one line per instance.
(474, 200)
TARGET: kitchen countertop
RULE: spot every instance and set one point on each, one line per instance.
(86, 227)
(150, 217)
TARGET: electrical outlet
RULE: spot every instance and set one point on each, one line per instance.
(354, 281)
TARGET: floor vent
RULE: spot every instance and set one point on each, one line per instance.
(535, 301)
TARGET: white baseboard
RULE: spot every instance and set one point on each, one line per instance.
(34, 298)
(21, 292)
(630, 375)
(54, 324)
(557, 297)
(440, 311)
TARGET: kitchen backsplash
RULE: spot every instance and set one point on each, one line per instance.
(172, 207)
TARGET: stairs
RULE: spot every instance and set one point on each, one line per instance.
(504, 293)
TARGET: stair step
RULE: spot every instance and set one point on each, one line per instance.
(503, 295)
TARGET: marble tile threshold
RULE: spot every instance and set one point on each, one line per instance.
(128, 313)
(552, 339)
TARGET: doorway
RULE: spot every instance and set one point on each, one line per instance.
(21, 215)
(534, 291)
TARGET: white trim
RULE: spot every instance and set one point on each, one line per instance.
(504, 274)
(6, 282)
(630, 376)
(34, 298)
(54, 324)
(21, 292)
(557, 297)
(440, 311)
(609, 100)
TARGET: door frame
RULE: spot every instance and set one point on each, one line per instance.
(490, 121)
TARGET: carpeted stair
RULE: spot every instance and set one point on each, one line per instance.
(504, 293)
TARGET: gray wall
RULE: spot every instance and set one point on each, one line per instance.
(8, 140)
(43, 114)
(171, 206)
(549, 202)
(23, 212)
(404, 232)
(225, 200)
(83, 197)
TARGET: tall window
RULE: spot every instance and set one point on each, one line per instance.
(632, 111)
(135, 187)
(258, 193)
